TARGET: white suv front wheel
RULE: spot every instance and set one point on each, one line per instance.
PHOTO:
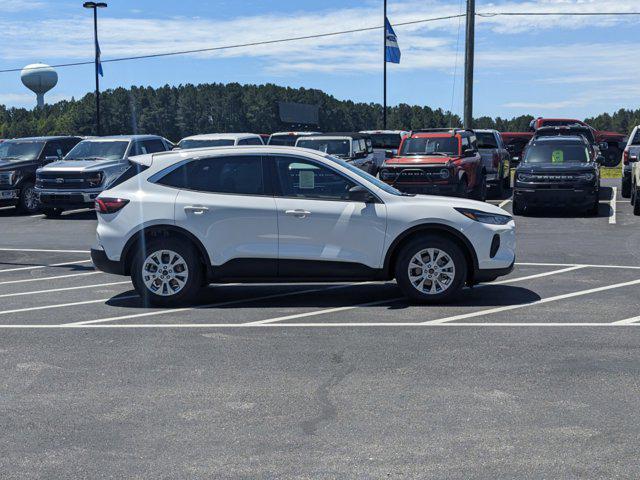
(167, 273)
(431, 269)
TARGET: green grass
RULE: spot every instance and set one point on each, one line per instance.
(611, 172)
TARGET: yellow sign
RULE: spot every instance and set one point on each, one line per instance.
(557, 156)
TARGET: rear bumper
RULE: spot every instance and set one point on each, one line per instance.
(102, 262)
(582, 197)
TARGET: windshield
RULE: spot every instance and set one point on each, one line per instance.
(221, 142)
(332, 147)
(283, 140)
(386, 140)
(370, 178)
(430, 146)
(557, 153)
(15, 151)
(98, 150)
(486, 140)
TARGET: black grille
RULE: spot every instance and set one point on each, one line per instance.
(64, 181)
(408, 175)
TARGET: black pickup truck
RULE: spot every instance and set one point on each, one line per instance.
(19, 160)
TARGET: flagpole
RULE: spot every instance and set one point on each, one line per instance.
(384, 63)
(95, 6)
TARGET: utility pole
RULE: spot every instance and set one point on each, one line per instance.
(95, 6)
(384, 63)
(468, 64)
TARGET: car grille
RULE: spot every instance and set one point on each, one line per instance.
(417, 175)
(64, 180)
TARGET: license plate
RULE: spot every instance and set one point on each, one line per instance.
(8, 194)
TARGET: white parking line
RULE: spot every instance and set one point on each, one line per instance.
(44, 266)
(62, 305)
(40, 279)
(628, 321)
(98, 285)
(503, 203)
(80, 210)
(41, 250)
(212, 305)
(490, 311)
(614, 195)
(586, 265)
(537, 275)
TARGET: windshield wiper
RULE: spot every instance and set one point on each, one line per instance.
(82, 159)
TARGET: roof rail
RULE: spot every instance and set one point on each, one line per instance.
(452, 130)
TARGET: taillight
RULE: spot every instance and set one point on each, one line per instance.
(496, 160)
(110, 205)
(625, 156)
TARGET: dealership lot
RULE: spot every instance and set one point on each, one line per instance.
(320, 381)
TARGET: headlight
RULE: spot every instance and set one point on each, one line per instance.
(586, 176)
(444, 173)
(484, 217)
(95, 179)
(523, 177)
(386, 175)
(8, 178)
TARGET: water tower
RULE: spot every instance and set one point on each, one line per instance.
(39, 78)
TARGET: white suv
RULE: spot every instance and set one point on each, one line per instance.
(284, 214)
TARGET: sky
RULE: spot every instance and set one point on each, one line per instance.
(550, 66)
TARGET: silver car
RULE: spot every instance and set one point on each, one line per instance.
(495, 159)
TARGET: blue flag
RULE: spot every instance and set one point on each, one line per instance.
(98, 57)
(391, 48)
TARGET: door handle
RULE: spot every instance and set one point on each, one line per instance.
(196, 209)
(298, 213)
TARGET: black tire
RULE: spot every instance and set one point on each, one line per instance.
(480, 191)
(595, 208)
(613, 156)
(625, 191)
(506, 181)
(52, 212)
(463, 188)
(636, 204)
(632, 196)
(451, 288)
(518, 207)
(27, 203)
(499, 188)
(192, 280)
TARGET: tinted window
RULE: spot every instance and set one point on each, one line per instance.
(250, 141)
(241, 175)
(153, 146)
(19, 151)
(486, 140)
(284, 140)
(133, 170)
(301, 178)
(636, 138)
(430, 146)
(332, 147)
(557, 153)
(53, 149)
(221, 142)
(386, 140)
(98, 150)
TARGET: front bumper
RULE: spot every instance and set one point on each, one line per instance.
(66, 198)
(428, 189)
(103, 263)
(578, 196)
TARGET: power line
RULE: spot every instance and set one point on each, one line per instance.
(329, 34)
(242, 45)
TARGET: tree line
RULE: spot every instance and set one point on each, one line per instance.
(178, 111)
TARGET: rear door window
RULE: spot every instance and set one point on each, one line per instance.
(250, 141)
(154, 146)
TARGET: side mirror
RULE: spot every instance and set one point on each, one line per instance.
(388, 154)
(360, 194)
(603, 146)
(176, 147)
(51, 158)
(515, 161)
(469, 152)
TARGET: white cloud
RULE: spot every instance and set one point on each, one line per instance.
(19, 5)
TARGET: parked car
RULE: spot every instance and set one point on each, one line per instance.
(515, 143)
(612, 143)
(287, 139)
(19, 160)
(496, 160)
(90, 167)
(629, 157)
(385, 143)
(354, 148)
(558, 171)
(220, 140)
(438, 161)
(282, 214)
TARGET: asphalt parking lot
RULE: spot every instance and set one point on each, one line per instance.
(535, 376)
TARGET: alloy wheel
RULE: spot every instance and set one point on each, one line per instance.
(165, 272)
(431, 271)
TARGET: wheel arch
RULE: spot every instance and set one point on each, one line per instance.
(148, 233)
(445, 231)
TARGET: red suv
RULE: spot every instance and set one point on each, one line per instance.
(438, 161)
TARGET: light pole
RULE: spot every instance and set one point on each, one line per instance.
(468, 64)
(95, 6)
